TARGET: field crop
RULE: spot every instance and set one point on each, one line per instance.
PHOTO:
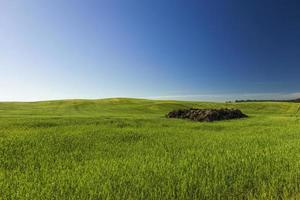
(127, 149)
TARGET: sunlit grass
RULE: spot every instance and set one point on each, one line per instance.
(127, 149)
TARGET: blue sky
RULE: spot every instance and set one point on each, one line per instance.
(191, 50)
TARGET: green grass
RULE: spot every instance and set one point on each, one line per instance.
(127, 149)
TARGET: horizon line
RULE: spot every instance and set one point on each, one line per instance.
(182, 97)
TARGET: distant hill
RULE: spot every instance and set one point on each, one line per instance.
(253, 100)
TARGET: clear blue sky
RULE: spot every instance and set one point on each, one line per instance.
(205, 50)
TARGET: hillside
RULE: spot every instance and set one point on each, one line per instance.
(127, 106)
(126, 149)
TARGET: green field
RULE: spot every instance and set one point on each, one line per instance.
(127, 149)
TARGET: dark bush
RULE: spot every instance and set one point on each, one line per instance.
(207, 115)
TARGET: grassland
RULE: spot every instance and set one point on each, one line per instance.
(126, 149)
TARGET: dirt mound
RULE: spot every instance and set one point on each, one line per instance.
(207, 115)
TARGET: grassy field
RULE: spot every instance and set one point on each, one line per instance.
(127, 149)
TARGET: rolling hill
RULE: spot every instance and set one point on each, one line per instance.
(126, 149)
